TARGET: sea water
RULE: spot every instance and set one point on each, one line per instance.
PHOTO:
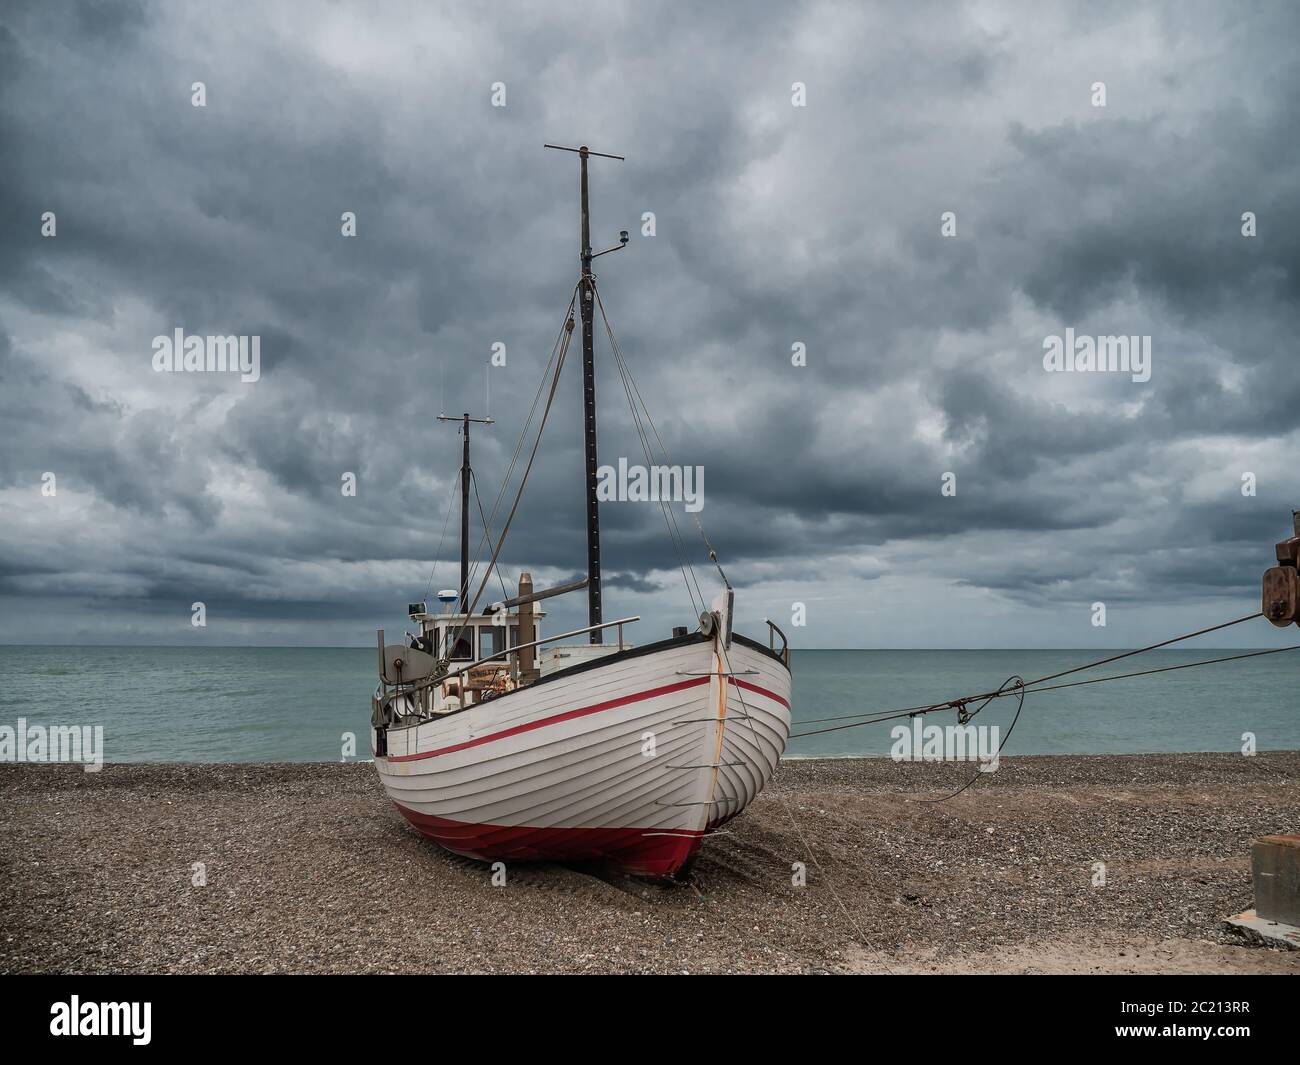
(263, 704)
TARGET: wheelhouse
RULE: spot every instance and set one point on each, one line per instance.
(462, 638)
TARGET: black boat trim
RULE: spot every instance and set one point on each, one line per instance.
(754, 645)
(604, 660)
(619, 656)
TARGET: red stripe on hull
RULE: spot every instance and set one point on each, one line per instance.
(567, 715)
(761, 691)
(570, 715)
(643, 851)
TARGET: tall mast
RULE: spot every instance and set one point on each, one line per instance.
(586, 300)
(465, 474)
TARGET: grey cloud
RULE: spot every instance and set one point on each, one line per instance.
(774, 225)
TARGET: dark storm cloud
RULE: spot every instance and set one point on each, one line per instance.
(775, 225)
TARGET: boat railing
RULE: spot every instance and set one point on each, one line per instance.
(773, 631)
(430, 682)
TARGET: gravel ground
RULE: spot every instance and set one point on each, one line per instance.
(309, 869)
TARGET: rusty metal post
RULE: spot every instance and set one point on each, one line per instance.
(527, 632)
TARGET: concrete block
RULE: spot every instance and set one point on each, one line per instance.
(1275, 864)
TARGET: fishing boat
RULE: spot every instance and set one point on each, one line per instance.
(503, 745)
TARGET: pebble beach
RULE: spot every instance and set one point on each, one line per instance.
(1083, 864)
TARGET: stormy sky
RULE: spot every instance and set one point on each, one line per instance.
(774, 225)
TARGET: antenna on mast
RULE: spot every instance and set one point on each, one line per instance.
(594, 609)
(465, 474)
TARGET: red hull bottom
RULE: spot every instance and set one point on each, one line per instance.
(641, 851)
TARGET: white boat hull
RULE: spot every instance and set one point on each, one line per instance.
(631, 759)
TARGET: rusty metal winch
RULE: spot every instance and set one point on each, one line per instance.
(1281, 604)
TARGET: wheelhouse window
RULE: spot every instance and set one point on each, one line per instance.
(464, 649)
(491, 641)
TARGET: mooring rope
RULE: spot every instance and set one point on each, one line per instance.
(1029, 687)
(1152, 647)
(798, 831)
(1012, 686)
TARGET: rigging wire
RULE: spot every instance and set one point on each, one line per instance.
(713, 555)
(451, 498)
(523, 433)
(567, 333)
(502, 572)
(561, 338)
(618, 355)
(670, 518)
(674, 533)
